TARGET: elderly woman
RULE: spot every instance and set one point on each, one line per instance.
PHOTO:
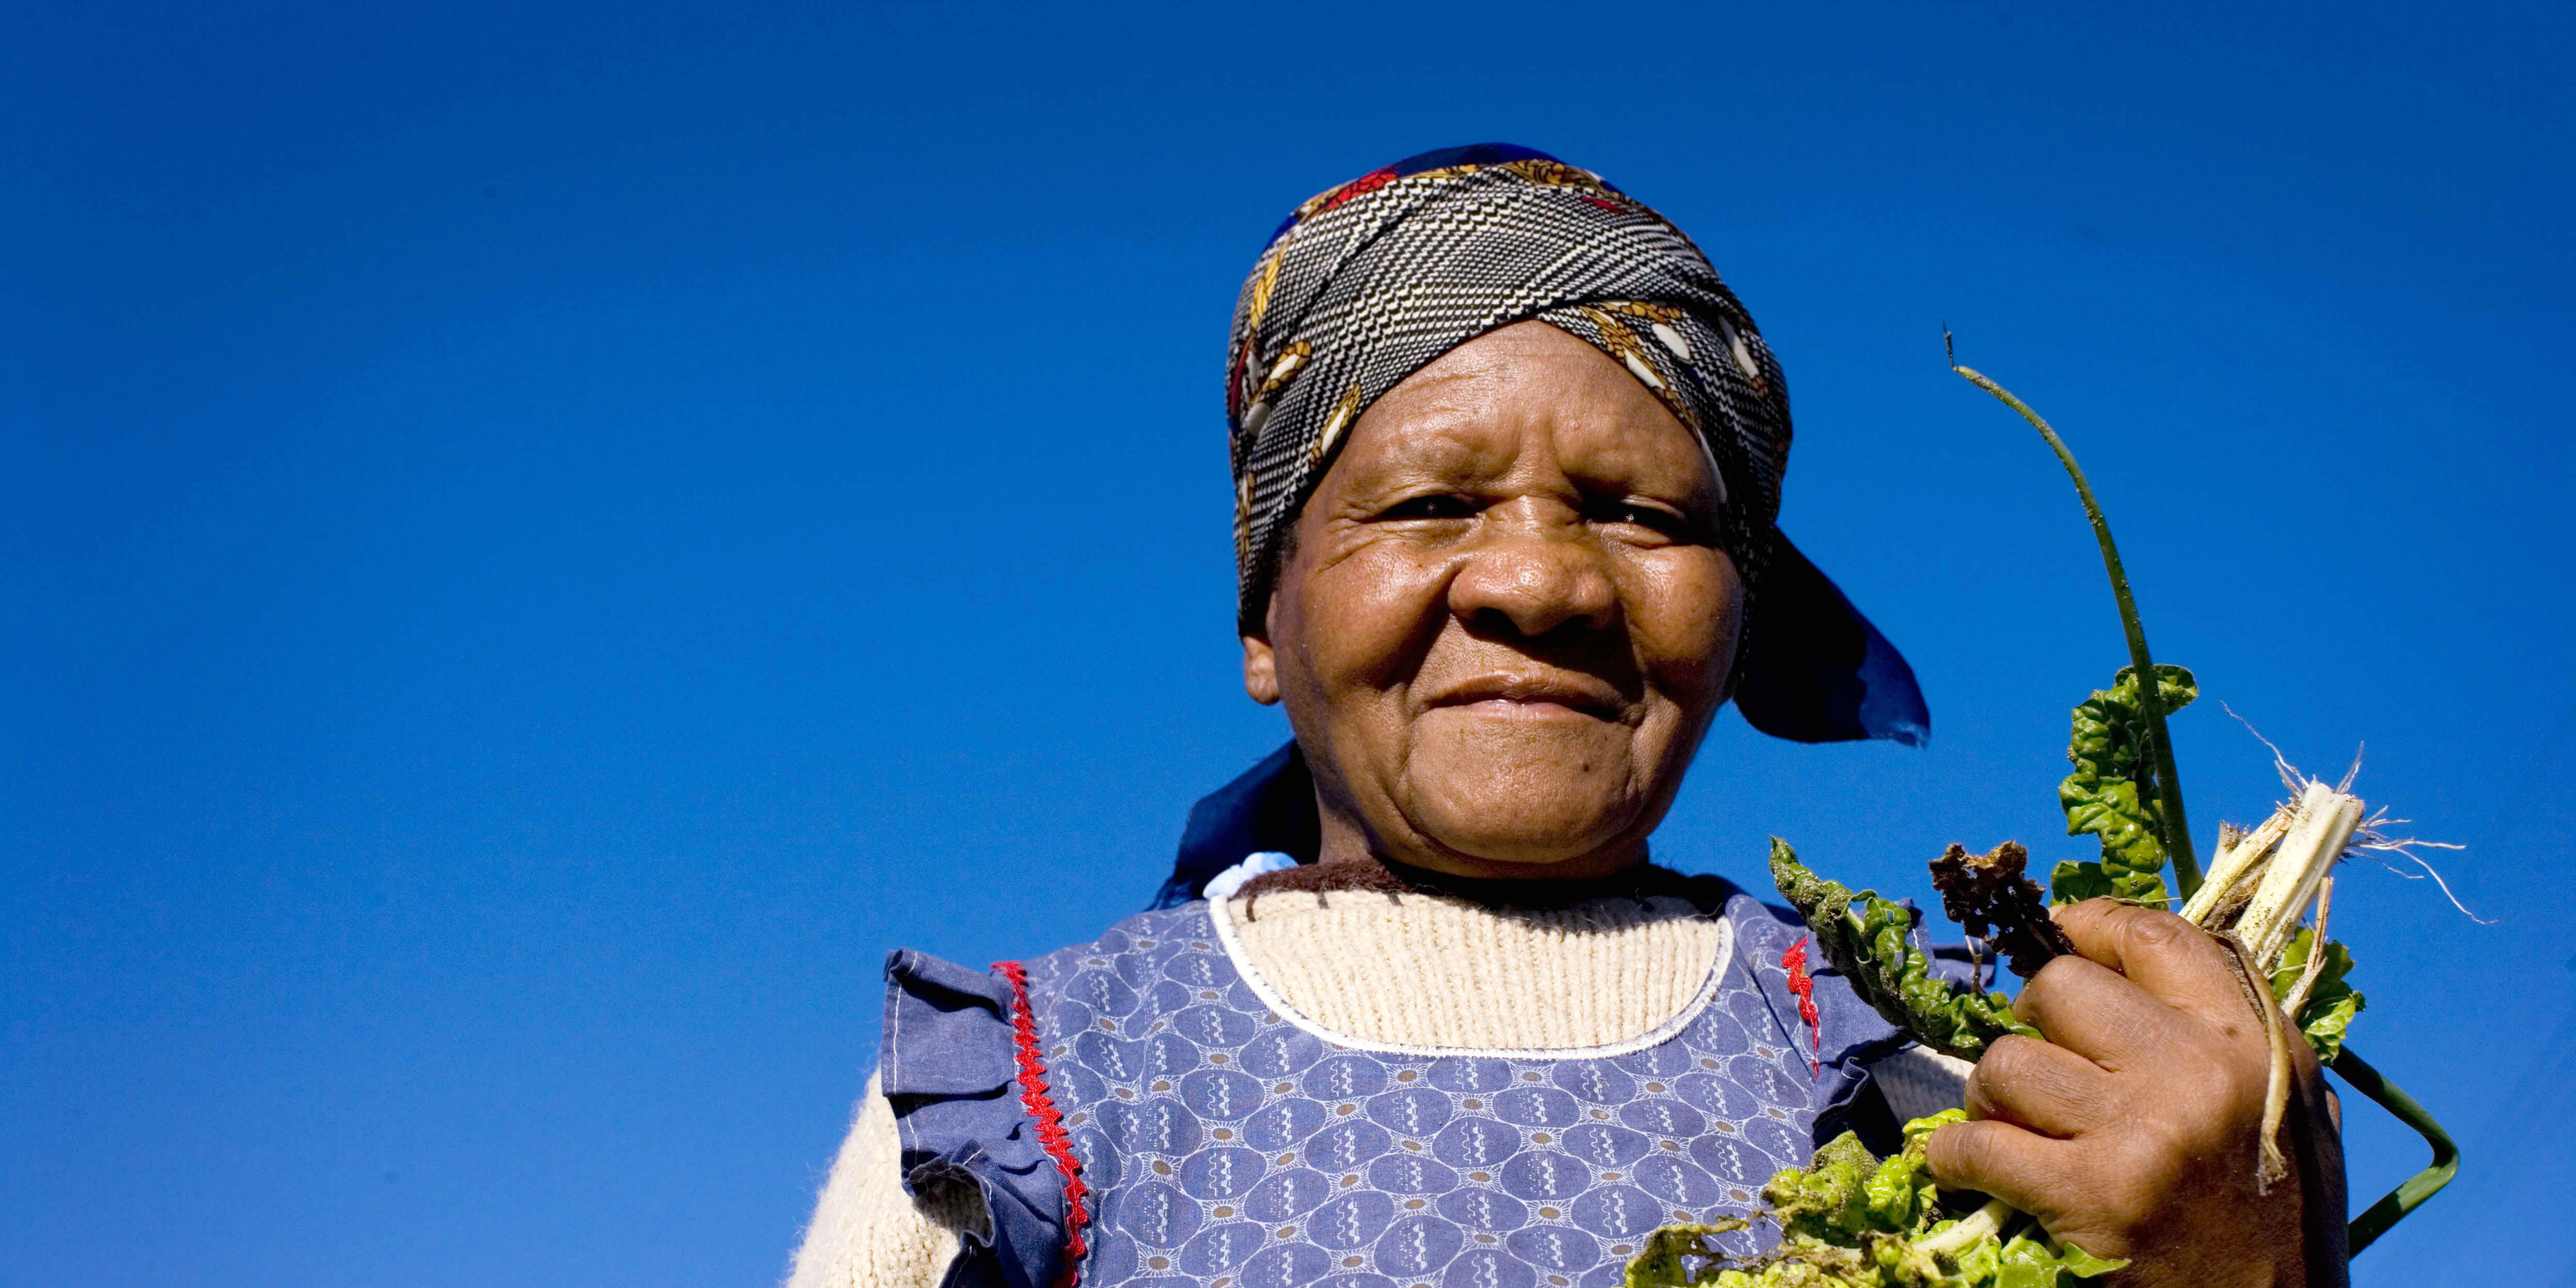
(1419, 1008)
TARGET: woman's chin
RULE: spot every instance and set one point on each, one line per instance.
(1541, 816)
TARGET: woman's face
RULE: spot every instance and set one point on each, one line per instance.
(1504, 624)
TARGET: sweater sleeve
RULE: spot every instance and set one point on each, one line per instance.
(867, 1232)
(1920, 1082)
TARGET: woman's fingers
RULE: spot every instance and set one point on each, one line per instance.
(2132, 1131)
(2045, 1088)
(2093, 1012)
(2022, 1168)
(2174, 961)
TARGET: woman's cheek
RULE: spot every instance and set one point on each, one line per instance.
(1684, 610)
(1384, 598)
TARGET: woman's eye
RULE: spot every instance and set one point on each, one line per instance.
(1652, 518)
(1431, 507)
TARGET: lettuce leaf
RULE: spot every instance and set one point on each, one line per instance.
(1852, 1220)
(2112, 795)
(2332, 1004)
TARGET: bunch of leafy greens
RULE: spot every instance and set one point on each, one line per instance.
(1852, 1220)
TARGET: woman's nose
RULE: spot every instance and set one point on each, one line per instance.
(1536, 573)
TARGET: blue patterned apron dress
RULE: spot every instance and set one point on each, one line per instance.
(1143, 1110)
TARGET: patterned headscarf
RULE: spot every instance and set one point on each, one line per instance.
(1368, 283)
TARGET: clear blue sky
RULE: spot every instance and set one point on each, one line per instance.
(536, 543)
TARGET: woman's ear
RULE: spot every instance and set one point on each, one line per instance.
(1260, 671)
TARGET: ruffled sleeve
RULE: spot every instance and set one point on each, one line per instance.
(951, 1070)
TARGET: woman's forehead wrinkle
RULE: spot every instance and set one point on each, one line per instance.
(1440, 433)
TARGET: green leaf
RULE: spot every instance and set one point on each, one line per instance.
(2033, 1260)
(1661, 1264)
(2087, 1266)
(1831, 1196)
(1919, 1131)
(2073, 882)
(1979, 1262)
(2332, 1004)
(2112, 795)
(2325, 1021)
(2022, 1274)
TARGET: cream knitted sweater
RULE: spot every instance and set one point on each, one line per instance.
(1472, 976)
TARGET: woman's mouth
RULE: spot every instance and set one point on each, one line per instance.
(1523, 696)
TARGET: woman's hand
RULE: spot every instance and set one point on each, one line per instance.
(2135, 1130)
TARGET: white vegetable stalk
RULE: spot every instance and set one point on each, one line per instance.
(2327, 819)
(2238, 854)
(1985, 1221)
(2286, 861)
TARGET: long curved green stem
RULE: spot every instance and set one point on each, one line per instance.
(2177, 837)
(2393, 1206)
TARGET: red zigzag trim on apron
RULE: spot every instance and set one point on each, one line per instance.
(1803, 987)
(1050, 1121)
